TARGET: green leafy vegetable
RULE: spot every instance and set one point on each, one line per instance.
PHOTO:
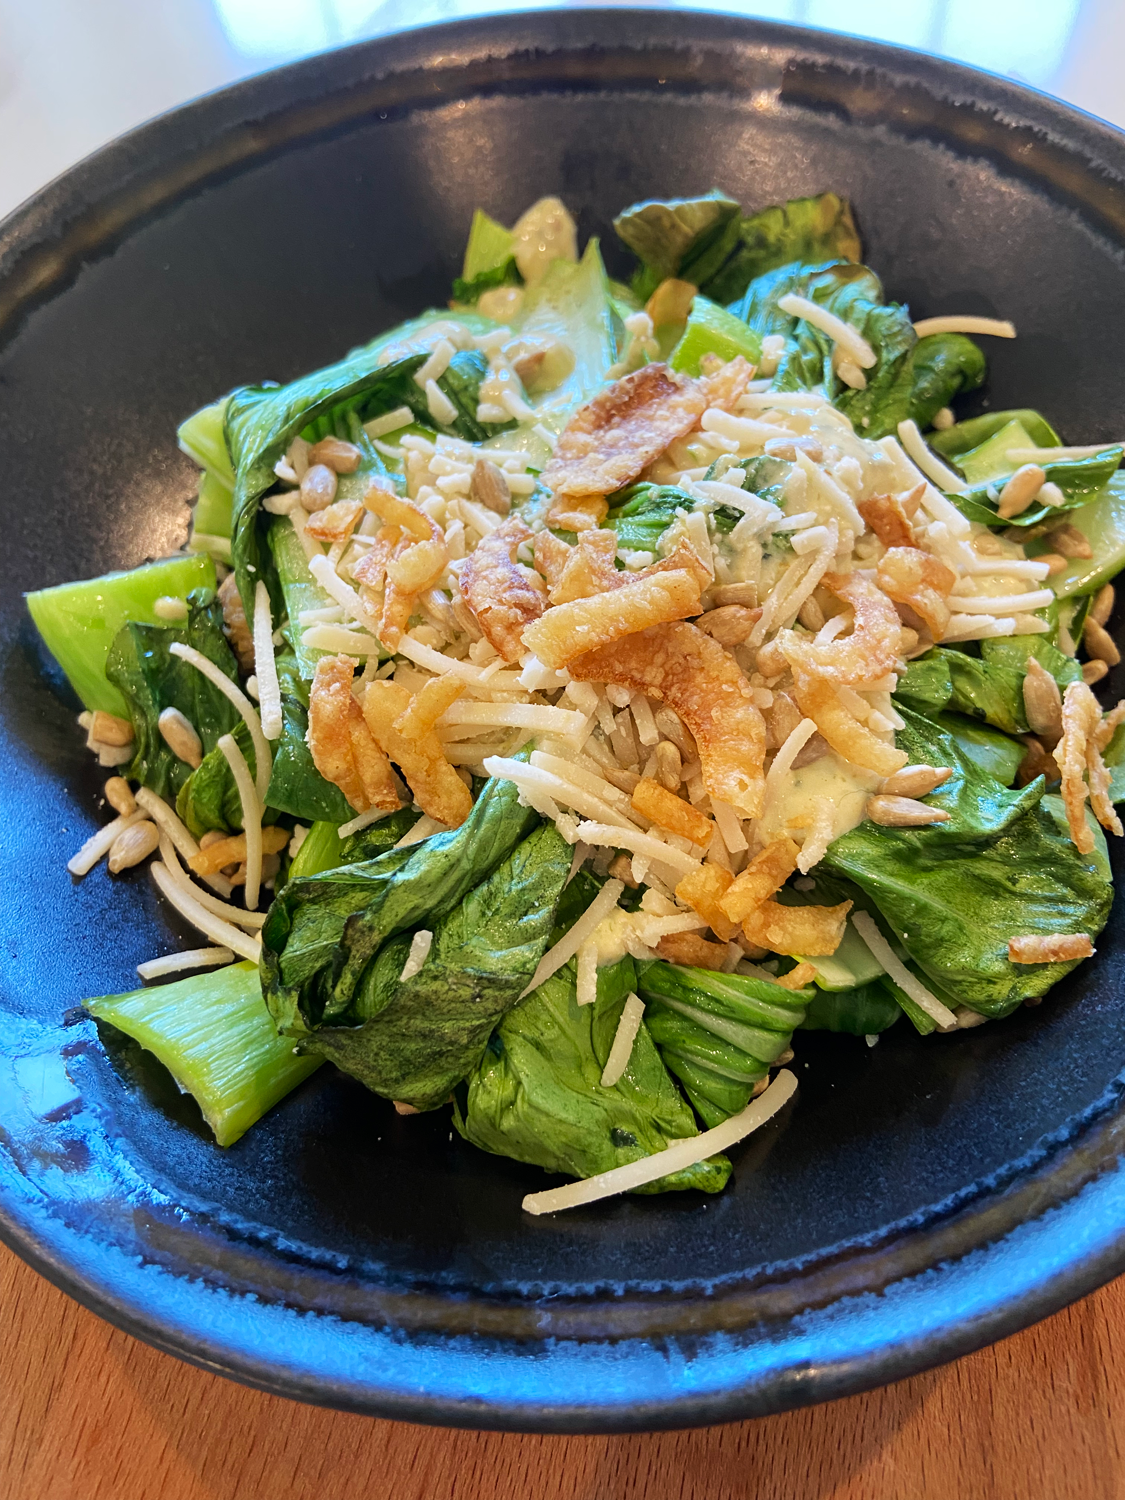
(954, 893)
(865, 1011)
(810, 231)
(203, 438)
(644, 513)
(214, 1035)
(966, 437)
(80, 621)
(711, 329)
(489, 246)
(468, 292)
(988, 691)
(572, 303)
(414, 1039)
(262, 420)
(214, 507)
(943, 366)
(323, 930)
(209, 797)
(719, 1032)
(910, 378)
(1013, 651)
(1081, 480)
(537, 1095)
(989, 686)
(1102, 523)
(675, 237)
(150, 679)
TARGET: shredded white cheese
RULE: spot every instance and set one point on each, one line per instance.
(564, 721)
(1003, 604)
(850, 344)
(865, 924)
(262, 755)
(978, 627)
(675, 1158)
(588, 972)
(999, 328)
(420, 945)
(391, 421)
(220, 932)
(424, 827)
(609, 836)
(251, 818)
(167, 821)
(929, 463)
(534, 778)
(340, 641)
(569, 944)
(265, 664)
(235, 914)
(623, 1039)
(193, 958)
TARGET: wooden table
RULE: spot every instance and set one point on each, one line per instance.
(87, 1413)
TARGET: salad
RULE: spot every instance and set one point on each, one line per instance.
(578, 691)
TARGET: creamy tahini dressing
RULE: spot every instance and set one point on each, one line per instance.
(846, 786)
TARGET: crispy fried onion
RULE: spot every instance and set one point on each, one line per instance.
(1049, 948)
(336, 522)
(910, 576)
(503, 595)
(569, 630)
(814, 931)
(609, 441)
(407, 557)
(886, 515)
(437, 788)
(811, 931)
(1078, 754)
(703, 890)
(343, 749)
(819, 701)
(868, 653)
(762, 878)
(590, 567)
(679, 665)
(691, 949)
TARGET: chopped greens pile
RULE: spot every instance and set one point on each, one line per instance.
(573, 694)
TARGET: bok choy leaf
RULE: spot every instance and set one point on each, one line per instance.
(150, 679)
(413, 1039)
(537, 1095)
(323, 930)
(954, 893)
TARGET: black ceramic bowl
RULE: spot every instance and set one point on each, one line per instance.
(921, 1198)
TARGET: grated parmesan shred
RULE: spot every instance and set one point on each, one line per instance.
(100, 842)
(265, 665)
(881, 950)
(262, 755)
(623, 1038)
(251, 818)
(998, 328)
(420, 945)
(192, 958)
(223, 934)
(677, 1158)
(569, 944)
(929, 463)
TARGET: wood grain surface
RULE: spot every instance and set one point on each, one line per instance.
(87, 1413)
